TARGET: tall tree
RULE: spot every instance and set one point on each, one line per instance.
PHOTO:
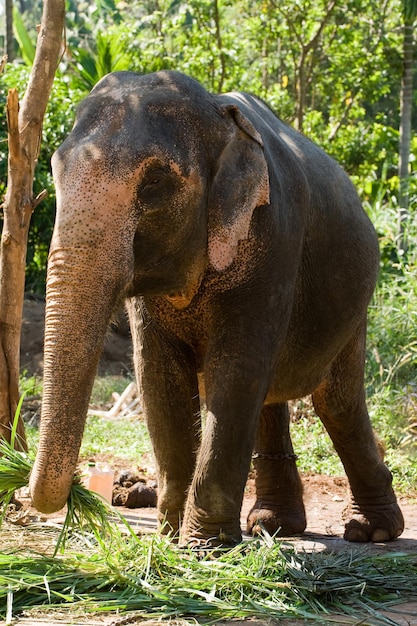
(308, 42)
(406, 103)
(24, 136)
(9, 39)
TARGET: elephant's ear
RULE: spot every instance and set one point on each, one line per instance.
(241, 183)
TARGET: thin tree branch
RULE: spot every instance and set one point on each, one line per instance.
(219, 45)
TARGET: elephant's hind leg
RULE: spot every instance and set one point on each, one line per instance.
(340, 403)
(279, 504)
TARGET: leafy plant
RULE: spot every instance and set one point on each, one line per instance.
(108, 54)
(26, 46)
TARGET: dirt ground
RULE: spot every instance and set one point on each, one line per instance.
(325, 497)
(117, 354)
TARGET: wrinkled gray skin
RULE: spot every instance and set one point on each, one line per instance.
(244, 255)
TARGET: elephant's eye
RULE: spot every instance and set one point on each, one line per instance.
(152, 179)
(155, 186)
(152, 182)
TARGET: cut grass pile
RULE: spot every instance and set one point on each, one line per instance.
(261, 578)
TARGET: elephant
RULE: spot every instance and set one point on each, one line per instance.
(247, 264)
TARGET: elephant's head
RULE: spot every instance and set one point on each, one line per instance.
(156, 180)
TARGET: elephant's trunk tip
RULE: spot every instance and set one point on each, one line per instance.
(46, 497)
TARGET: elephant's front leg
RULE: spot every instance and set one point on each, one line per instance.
(235, 389)
(167, 377)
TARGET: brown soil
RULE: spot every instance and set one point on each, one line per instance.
(117, 354)
(325, 497)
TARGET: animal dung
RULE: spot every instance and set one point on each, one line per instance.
(133, 492)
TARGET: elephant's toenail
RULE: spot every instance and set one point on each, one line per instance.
(356, 535)
(380, 535)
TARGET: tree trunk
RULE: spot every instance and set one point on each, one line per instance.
(405, 129)
(301, 92)
(306, 50)
(9, 37)
(24, 136)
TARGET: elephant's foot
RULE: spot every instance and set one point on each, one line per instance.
(278, 520)
(279, 507)
(199, 543)
(202, 533)
(377, 522)
(170, 508)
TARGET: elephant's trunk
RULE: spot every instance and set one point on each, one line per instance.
(78, 308)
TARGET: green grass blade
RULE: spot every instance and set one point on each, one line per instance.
(16, 420)
(15, 467)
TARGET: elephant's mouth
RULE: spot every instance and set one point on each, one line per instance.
(183, 299)
(180, 301)
(178, 287)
